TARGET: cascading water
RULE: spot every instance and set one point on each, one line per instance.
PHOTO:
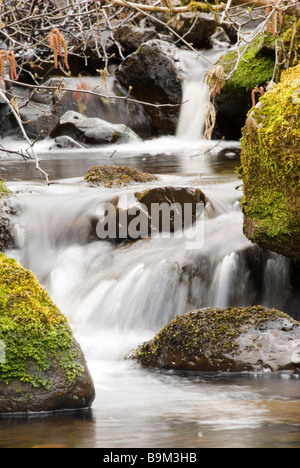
(117, 296)
(192, 116)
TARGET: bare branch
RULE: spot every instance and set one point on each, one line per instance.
(30, 145)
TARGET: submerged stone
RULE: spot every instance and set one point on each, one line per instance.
(42, 367)
(235, 339)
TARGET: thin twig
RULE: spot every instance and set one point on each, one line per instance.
(20, 123)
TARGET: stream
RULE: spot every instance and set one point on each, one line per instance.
(116, 297)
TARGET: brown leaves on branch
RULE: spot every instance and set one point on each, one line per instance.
(8, 57)
(58, 44)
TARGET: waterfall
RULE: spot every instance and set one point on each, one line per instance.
(192, 115)
(223, 281)
(141, 285)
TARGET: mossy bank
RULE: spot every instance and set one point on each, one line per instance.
(235, 339)
(271, 168)
(42, 367)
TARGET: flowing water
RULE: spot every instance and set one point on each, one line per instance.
(117, 296)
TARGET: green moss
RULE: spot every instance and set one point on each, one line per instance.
(36, 335)
(289, 52)
(255, 69)
(271, 165)
(3, 189)
(195, 6)
(205, 334)
(116, 176)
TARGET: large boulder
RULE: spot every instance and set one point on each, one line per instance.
(155, 74)
(232, 339)
(271, 168)
(42, 367)
(92, 130)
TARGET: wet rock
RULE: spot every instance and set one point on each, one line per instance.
(155, 210)
(65, 142)
(172, 196)
(42, 367)
(93, 130)
(228, 340)
(6, 231)
(131, 37)
(155, 74)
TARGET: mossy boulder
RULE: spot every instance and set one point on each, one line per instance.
(117, 176)
(42, 367)
(233, 339)
(235, 100)
(271, 168)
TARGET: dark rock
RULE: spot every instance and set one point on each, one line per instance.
(235, 100)
(228, 340)
(153, 211)
(6, 231)
(93, 130)
(47, 106)
(131, 37)
(196, 28)
(20, 397)
(155, 74)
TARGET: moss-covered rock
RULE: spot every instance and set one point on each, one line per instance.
(235, 99)
(117, 176)
(42, 367)
(6, 236)
(271, 168)
(232, 339)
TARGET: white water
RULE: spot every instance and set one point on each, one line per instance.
(192, 116)
(117, 297)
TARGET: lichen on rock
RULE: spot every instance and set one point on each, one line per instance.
(42, 358)
(234, 339)
(271, 168)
